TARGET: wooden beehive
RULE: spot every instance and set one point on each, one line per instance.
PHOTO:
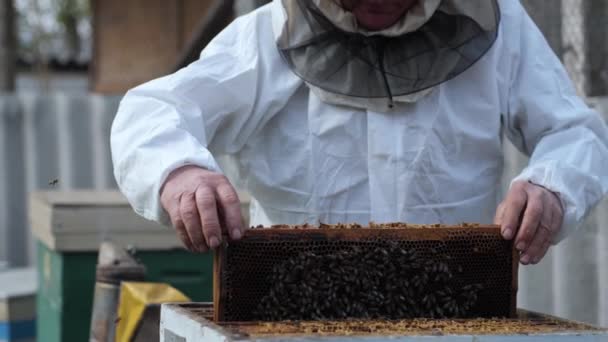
(263, 272)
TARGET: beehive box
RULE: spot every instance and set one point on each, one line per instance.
(390, 271)
(69, 227)
(18, 305)
(193, 323)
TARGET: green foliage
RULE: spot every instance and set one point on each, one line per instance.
(71, 10)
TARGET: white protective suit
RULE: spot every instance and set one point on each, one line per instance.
(438, 160)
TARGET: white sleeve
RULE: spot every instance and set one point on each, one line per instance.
(566, 140)
(215, 104)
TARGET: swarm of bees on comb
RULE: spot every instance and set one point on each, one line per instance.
(384, 282)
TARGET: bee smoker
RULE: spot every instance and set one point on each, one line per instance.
(114, 265)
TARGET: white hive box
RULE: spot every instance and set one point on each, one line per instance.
(80, 220)
(191, 323)
(18, 305)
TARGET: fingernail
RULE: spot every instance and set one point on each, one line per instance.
(536, 260)
(521, 246)
(525, 259)
(236, 234)
(508, 233)
(214, 242)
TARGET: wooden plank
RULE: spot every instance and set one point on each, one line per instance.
(356, 234)
(132, 42)
(218, 294)
(515, 281)
(139, 40)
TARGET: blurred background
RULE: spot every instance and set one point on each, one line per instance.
(64, 65)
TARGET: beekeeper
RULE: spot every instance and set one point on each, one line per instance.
(370, 110)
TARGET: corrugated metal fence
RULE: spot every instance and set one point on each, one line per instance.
(45, 138)
(65, 137)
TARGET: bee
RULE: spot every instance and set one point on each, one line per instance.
(54, 182)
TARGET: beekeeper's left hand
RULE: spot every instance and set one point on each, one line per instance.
(533, 216)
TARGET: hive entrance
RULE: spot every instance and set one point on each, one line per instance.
(383, 272)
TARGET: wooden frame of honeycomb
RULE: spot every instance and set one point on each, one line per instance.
(256, 278)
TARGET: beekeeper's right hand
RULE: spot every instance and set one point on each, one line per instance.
(201, 204)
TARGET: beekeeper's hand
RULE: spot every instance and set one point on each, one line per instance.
(201, 204)
(533, 216)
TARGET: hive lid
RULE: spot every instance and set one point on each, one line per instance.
(81, 198)
(73, 221)
(81, 220)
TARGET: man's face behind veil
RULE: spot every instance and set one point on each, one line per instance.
(378, 14)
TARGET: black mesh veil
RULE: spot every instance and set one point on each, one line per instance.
(376, 66)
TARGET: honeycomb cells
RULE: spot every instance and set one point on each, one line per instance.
(480, 326)
(370, 273)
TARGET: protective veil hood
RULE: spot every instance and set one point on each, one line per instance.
(346, 64)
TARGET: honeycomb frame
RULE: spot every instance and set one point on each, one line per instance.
(241, 268)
